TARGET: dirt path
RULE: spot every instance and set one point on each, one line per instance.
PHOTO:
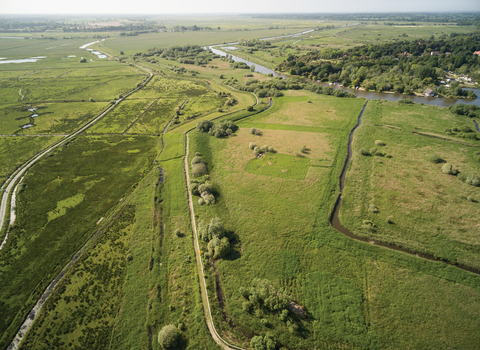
(201, 274)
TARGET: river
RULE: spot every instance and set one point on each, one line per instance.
(369, 95)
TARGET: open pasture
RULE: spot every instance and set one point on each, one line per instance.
(40, 247)
(384, 33)
(419, 207)
(307, 109)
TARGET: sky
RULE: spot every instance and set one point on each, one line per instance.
(228, 6)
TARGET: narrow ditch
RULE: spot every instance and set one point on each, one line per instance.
(335, 219)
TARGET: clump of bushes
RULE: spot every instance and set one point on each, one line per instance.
(220, 129)
(255, 131)
(201, 187)
(470, 179)
(215, 234)
(261, 150)
(267, 342)
(435, 158)
(199, 168)
(379, 143)
(262, 295)
(449, 169)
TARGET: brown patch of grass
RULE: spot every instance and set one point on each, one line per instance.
(286, 142)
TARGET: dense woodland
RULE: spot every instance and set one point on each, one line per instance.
(404, 66)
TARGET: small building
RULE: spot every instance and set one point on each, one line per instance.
(434, 53)
(477, 53)
(428, 92)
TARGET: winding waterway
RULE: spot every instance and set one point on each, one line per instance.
(369, 95)
(335, 219)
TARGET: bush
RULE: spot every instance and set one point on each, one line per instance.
(449, 169)
(435, 159)
(379, 143)
(470, 179)
(303, 149)
(208, 197)
(201, 201)
(373, 151)
(263, 343)
(199, 169)
(250, 108)
(168, 337)
(197, 160)
(271, 149)
(364, 152)
(178, 233)
(204, 125)
(372, 208)
(252, 145)
(253, 131)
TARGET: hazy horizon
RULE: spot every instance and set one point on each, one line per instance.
(218, 7)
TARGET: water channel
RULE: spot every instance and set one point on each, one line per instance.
(335, 219)
(369, 95)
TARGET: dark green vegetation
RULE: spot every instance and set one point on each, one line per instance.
(404, 66)
(421, 203)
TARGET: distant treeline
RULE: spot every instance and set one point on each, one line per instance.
(469, 18)
(403, 66)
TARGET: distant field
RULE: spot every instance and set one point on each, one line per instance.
(429, 210)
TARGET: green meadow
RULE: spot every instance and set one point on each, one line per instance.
(419, 207)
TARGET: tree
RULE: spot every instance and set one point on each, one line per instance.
(168, 336)
(121, 53)
(252, 68)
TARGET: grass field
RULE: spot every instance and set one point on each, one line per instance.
(16, 150)
(428, 209)
(344, 285)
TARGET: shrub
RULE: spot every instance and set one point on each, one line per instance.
(197, 154)
(206, 187)
(303, 149)
(204, 125)
(372, 208)
(284, 315)
(364, 152)
(208, 198)
(471, 198)
(201, 201)
(379, 143)
(373, 151)
(465, 128)
(129, 257)
(218, 248)
(168, 336)
(449, 169)
(252, 145)
(178, 233)
(258, 132)
(470, 179)
(197, 160)
(253, 131)
(435, 158)
(250, 108)
(271, 149)
(263, 343)
(264, 149)
(199, 169)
